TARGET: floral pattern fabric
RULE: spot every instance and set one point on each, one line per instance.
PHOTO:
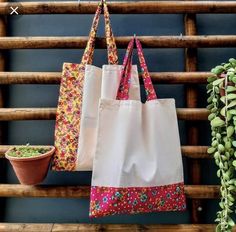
(71, 94)
(123, 91)
(132, 200)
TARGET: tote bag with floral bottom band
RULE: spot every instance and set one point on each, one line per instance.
(98, 83)
(138, 163)
(69, 110)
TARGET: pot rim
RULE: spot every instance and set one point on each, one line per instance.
(48, 153)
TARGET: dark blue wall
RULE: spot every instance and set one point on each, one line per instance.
(41, 132)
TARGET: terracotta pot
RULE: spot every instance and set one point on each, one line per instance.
(31, 170)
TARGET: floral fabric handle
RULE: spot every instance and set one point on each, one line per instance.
(69, 107)
(110, 40)
(123, 91)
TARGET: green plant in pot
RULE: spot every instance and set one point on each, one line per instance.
(30, 163)
(222, 106)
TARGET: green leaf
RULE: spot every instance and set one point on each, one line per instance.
(234, 79)
(232, 61)
(218, 173)
(230, 131)
(211, 79)
(231, 96)
(209, 99)
(231, 222)
(227, 66)
(217, 155)
(210, 150)
(234, 143)
(234, 163)
(231, 188)
(228, 116)
(221, 205)
(218, 69)
(230, 89)
(231, 104)
(210, 106)
(222, 112)
(214, 143)
(221, 165)
(218, 228)
(217, 122)
(211, 116)
(218, 81)
(232, 112)
(221, 148)
(209, 86)
(228, 145)
(223, 99)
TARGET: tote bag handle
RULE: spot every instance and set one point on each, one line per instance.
(123, 90)
(110, 40)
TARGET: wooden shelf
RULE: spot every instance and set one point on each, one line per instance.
(17, 190)
(55, 77)
(194, 152)
(123, 7)
(13, 114)
(121, 42)
(54, 227)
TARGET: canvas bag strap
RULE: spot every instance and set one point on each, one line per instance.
(149, 88)
(123, 90)
(110, 40)
(112, 52)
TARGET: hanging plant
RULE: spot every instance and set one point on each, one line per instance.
(222, 106)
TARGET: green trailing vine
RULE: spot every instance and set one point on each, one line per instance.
(222, 106)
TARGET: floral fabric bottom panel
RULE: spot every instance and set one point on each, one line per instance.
(106, 201)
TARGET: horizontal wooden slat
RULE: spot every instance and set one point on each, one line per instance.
(17, 190)
(55, 77)
(51, 227)
(12, 114)
(195, 152)
(147, 42)
(125, 7)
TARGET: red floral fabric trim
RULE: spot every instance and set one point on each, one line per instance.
(106, 201)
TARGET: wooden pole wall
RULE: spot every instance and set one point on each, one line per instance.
(191, 102)
(2, 124)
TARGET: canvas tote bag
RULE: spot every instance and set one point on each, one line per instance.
(98, 83)
(138, 163)
(69, 108)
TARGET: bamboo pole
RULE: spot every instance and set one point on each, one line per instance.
(2, 104)
(122, 7)
(17, 190)
(191, 97)
(193, 152)
(12, 114)
(7, 78)
(55, 227)
(50, 42)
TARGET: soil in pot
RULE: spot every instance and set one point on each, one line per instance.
(30, 163)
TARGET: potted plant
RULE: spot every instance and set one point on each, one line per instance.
(30, 163)
(222, 117)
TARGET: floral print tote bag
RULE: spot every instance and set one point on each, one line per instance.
(68, 115)
(138, 163)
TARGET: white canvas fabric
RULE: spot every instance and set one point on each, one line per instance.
(137, 165)
(138, 143)
(98, 83)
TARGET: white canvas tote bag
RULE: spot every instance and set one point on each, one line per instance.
(138, 163)
(98, 83)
